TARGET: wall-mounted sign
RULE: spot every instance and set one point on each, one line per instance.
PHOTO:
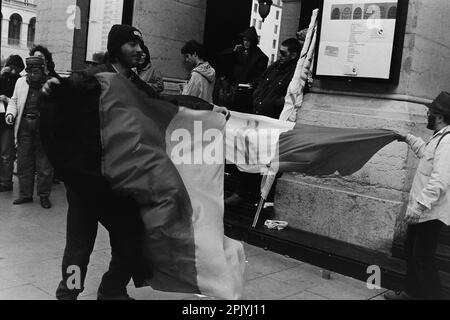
(103, 14)
(358, 38)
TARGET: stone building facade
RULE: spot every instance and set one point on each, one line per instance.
(365, 209)
(18, 19)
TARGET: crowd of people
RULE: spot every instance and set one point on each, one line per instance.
(244, 82)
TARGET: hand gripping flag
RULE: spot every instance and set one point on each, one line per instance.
(153, 151)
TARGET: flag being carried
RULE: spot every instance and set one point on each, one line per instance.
(181, 202)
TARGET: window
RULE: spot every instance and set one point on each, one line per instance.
(392, 13)
(276, 29)
(274, 44)
(335, 14)
(357, 14)
(272, 59)
(255, 8)
(346, 13)
(31, 32)
(15, 24)
(254, 22)
(259, 24)
(277, 15)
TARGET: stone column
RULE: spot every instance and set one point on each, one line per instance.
(23, 35)
(53, 30)
(5, 30)
(290, 19)
(367, 208)
(167, 25)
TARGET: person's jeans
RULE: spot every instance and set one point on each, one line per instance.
(120, 216)
(31, 159)
(422, 276)
(248, 185)
(6, 153)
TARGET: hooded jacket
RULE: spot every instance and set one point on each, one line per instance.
(201, 84)
(247, 68)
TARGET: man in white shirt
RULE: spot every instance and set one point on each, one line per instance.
(429, 205)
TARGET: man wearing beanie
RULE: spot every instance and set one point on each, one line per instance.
(24, 114)
(71, 128)
(8, 78)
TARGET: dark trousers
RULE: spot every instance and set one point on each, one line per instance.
(32, 160)
(6, 153)
(120, 216)
(248, 185)
(422, 276)
(243, 100)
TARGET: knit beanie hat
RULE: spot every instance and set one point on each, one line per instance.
(35, 62)
(121, 34)
(15, 60)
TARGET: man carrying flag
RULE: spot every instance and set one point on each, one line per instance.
(428, 208)
(70, 127)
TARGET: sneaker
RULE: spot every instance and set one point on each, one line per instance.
(399, 295)
(45, 203)
(22, 201)
(5, 189)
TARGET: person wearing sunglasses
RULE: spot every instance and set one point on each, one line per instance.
(268, 100)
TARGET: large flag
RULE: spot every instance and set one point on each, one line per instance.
(155, 151)
(294, 96)
(260, 144)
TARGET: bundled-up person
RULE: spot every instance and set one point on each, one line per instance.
(148, 73)
(269, 95)
(8, 78)
(71, 122)
(241, 68)
(203, 75)
(24, 113)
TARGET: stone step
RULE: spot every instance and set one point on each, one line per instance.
(330, 254)
(442, 255)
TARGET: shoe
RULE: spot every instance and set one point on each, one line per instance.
(399, 295)
(103, 297)
(5, 189)
(45, 203)
(22, 201)
(233, 200)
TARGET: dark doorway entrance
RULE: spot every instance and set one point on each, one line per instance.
(224, 21)
(307, 8)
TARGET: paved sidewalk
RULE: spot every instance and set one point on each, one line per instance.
(32, 242)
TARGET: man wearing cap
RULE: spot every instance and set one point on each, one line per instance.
(71, 128)
(24, 114)
(429, 205)
(8, 78)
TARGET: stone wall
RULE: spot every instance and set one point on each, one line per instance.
(290, 19)
(167, 25)
(367, 208)
(52, 31)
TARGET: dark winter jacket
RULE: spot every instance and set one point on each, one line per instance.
(268, 98)
(7, 84)
(246, 67)
(70, 128)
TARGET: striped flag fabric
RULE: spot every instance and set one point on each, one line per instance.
(266, 145)
(154, 151)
